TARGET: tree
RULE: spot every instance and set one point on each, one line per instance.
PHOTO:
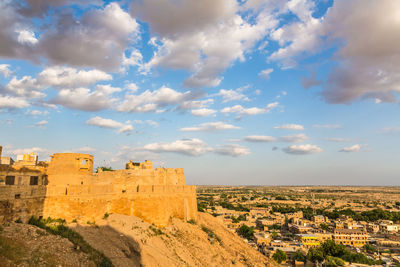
(298, 256)
(333, 261)
(279, 256)
(315, 255)
(246, 232)
(324, 227)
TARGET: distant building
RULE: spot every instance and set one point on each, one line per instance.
(308, 240)
(350, 237)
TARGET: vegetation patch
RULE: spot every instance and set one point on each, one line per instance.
(211, 235)
(58, 227)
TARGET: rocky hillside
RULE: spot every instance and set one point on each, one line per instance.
(129, 241)
(28, 245)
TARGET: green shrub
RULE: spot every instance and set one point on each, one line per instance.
(279, 256)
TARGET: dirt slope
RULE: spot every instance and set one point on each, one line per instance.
(28, 245)
(128, 241)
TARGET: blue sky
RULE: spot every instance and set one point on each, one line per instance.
(236, 92)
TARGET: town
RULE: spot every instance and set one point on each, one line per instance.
(336, 226)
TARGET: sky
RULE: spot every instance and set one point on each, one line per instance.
(256, 92)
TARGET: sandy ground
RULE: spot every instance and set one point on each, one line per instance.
(129, 241)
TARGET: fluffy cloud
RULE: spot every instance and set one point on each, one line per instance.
(296, 138)
(67, 77)
(102, 36)
(9, 102)
(5, 70)
(202, 38)
(83, 99)
(203, 112)
(26, 87)
(365, 67)
(260, 138)
(210, 127)
(295, 127)
(111, 124)
(232, 150)
(232, 95)
(302, 149)
(190, 147)
(266, 73)
(41, 124)
(155, 101)
(354, 148)
(241, 111)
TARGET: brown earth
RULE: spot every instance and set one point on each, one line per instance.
(28, 245)
(129, 241)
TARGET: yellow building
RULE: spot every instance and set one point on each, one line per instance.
(350, 237)
(309, 240)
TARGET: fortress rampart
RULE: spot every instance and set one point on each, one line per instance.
(66, 187)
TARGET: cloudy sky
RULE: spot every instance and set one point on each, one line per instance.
(236, 92)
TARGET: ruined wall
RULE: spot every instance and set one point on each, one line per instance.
(69, 168)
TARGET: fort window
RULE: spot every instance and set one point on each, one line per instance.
(34, 180)
(10, 180)
(84, 162)
(17, 196)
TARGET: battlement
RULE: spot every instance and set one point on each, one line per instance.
(66, 187)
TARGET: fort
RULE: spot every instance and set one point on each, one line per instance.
(67, 187)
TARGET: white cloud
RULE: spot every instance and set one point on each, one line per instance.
(41, 124)
(297, 37)
(8, 102)
(232, 95)
(66, 77)
(5, 70)
(109, 123)
(204, 38)
(27, 37)
(233, 150)
(295, 127)
(38, 112)
(241, 111)
(26, 87)
(328, 126)
(84, 99)
(203, 112)
(190, 147)
(260, 138)
(354, 148)
(155, 101)
(302, 149)
(296, 138)
(102, 36)
(266, 73)
(210, 127)
(132, 87)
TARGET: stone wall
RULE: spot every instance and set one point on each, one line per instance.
(73, 192)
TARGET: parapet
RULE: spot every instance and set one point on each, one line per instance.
(139, 165)
(70, 163)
